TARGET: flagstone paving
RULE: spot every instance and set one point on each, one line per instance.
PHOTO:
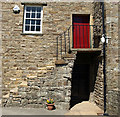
(85, 108)
(31, 111)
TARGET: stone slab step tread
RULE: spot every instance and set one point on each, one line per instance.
(60, 62)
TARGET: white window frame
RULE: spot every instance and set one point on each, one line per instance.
(33, 32)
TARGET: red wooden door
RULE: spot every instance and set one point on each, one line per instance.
(81, 28)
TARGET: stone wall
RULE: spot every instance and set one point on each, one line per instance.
(111, 29)
(112, 57)
(29, 72)
(119, 58)
(0, 57)
(98, 90)
(30, 75)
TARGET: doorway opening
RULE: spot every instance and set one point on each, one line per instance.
(83, 77)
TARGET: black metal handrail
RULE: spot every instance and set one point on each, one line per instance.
(66, 33)
(63, 40)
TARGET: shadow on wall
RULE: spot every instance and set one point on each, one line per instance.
(84, 75)
(97, 31)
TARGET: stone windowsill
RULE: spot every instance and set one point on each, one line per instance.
(40, 34)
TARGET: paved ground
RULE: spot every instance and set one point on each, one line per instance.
(31, 111)
(84, 108)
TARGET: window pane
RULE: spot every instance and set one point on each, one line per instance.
(27, 21)
(38, 9)
(33, 22)
(27, 28)
(37, 22)
(28, 9)
(32, 18)
(33, 15)
(37, 28)
(33, 9)
(27, 15)
(32, 28)
(38, 15)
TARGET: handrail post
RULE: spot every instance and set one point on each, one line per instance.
(65, 42)
(61, 46)
(57, 48)
(72, 36)
(69, 39)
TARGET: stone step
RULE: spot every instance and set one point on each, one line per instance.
(60, 62)
(68, 56)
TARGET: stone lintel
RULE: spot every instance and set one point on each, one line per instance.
(34, 3)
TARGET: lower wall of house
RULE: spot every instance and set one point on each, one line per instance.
(50, 82)
(112, 102)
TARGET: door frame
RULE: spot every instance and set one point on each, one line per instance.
(91, 30)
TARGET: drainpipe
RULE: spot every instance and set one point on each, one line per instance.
(104, 59)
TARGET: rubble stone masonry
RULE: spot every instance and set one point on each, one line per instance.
(112, 61)
(112, 57)
(0, 52)
(29, 73)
